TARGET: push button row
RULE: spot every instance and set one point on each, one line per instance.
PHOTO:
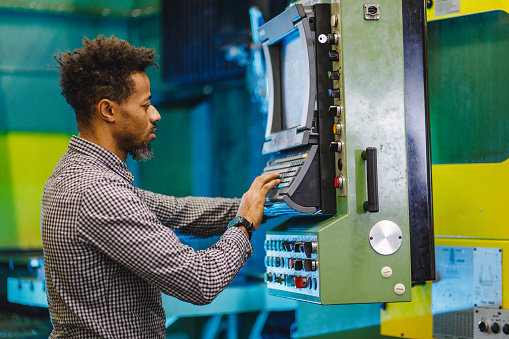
(292, 281)
(308, 265)
(307, 247)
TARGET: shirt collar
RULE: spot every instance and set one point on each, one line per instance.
(86, 147)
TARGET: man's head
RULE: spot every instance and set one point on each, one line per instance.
(106, 85)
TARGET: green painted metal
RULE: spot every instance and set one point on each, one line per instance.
(373, 80)
(468, 60)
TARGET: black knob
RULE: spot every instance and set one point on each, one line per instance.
(335, 110)
(298, 265)
(310, 265)
(505, 328)
(483, 326)
(310, 247)
(334, 93)
(333, 56)
(334, 146)
(495, 328)
(333, 38)
(333, 75)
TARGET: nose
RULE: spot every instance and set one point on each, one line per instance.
(154, 114)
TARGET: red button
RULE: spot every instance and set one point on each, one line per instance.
(299, 282)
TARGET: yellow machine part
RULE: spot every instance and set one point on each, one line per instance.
(469, 211)
(469, 7)
(414, 319)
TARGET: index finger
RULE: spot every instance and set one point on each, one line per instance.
(261, 180)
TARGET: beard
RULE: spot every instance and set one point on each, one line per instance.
(141, 152)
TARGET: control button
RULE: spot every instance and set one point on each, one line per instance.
(336, 146)
(340, 164)
(399, 289)
(310, 265)
(290, 280)
(268, 277)
(267, 261)
(310, 247)
(266, 245)
(309, 282)
(505, 328)
(339, 182)
(278, 279)
(333, 75)
(296, 247)
(333, 56)
(386, 272)
(290, 263)
(298, 265)
(495, 328)
(335, 110)
(315, 284)
(286, 246)
(483, 326)
(333, 38)
(334, 20)
(277, 261)
(334, 93)
(336, 128)
(301, 282)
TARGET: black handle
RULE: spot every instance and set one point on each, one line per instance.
(372, 174)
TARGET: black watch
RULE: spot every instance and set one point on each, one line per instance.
(241, 221)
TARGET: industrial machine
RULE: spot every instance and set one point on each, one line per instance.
(349, 135)
(470, 298)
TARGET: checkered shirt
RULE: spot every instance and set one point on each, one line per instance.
(110, 248)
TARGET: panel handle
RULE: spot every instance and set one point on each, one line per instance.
(372, 175)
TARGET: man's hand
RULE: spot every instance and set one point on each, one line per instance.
(253, 201)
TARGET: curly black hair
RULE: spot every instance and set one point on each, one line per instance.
(102, 69)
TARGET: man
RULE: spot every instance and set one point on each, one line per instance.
(110, 248)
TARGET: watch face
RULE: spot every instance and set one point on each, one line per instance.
(234, 221)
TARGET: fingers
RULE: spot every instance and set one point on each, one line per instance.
(270, 185)
(263, 179)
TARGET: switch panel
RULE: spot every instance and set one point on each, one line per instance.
(292, 263)
(491, 323)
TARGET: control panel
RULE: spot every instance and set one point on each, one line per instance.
(491, 323)
(292, 263)
(349, 241)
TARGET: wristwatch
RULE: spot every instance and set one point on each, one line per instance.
(241, 221)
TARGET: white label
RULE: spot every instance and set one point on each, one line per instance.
(447, 7)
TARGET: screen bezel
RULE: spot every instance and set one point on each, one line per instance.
(273, 55)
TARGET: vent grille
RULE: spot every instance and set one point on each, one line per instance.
(195, 34)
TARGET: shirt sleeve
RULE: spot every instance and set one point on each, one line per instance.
(195, 216)
(115, 220)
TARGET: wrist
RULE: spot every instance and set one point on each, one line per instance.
(244, 224)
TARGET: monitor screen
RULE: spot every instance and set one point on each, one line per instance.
(294, 65)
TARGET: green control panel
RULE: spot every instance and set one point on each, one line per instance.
(358, 250)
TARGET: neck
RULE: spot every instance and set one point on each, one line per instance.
(105, 140)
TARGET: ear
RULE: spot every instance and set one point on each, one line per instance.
(106, 110)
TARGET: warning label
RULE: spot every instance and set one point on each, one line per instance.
(447, 7)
